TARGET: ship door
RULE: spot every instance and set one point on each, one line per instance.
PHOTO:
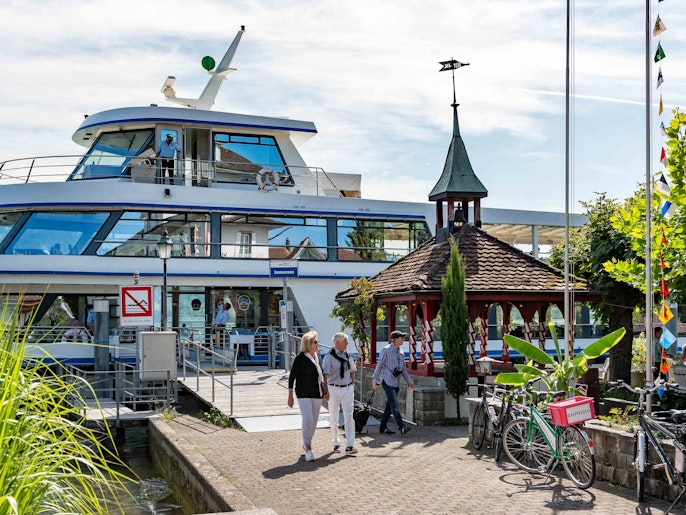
(179, 165)
(200, 160)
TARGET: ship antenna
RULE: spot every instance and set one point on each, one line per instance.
(206, 99)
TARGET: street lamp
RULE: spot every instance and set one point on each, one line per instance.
(164, 250)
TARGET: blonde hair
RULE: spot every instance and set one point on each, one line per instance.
(306, 340)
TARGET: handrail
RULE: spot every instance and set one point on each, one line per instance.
(193, 172)
(188, 344)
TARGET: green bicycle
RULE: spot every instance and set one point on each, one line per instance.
(536, 445)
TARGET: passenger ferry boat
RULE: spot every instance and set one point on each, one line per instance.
(76, 228)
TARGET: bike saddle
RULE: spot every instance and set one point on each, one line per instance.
(678, 415)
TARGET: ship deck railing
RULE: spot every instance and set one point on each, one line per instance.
(187, 172)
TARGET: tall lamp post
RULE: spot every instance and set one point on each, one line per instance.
(164, 250)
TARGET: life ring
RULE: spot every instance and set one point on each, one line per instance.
(267, 179)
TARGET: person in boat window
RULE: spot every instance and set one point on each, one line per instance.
(166, 151)
(90, 317)
(220, 321)
(310, 388)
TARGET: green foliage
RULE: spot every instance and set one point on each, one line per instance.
(367, 239)
(630, 221)
(557, 373)
(455, 325)
(50, 462)
(216, 417)
(591, 247)
(620, 418)
(638, 353)
(355, 313)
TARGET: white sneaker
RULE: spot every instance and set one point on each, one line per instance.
(350, 450)
(309, 456)
(337, 448)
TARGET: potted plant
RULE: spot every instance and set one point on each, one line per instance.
(638, 360)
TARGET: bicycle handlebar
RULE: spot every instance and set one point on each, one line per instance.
(642, 391)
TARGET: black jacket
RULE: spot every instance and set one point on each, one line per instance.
(304, 375)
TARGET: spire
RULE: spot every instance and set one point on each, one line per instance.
(458, 180)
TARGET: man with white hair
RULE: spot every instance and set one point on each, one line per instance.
(339, 373)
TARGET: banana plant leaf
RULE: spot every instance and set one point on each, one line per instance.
(512, 378)
(528, 350)
(599, 347)
(531, 370)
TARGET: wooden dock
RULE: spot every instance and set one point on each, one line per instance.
(259, 398)
(107, 413)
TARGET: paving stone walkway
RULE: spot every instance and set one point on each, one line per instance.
(428, 471)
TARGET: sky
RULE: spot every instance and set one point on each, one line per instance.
(366, 73)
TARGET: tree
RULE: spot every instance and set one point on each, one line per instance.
(630, 221)
(455, 325)
(591, 246)
(353, 314)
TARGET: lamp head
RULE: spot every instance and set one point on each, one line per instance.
(164, 246)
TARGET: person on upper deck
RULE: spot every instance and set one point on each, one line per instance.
(167, 150)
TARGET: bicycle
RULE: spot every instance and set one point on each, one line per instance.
(649, 426)
(485, 414)
(536, 445)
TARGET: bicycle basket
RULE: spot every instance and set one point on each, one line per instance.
(572, 411)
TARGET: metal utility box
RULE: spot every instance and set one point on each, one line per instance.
(157, 354)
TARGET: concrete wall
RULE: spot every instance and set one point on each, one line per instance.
(198, 484)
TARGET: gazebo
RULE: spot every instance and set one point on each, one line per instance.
(496, 273)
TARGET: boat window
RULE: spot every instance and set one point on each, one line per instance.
(272, 237)
(111, 152)
(375, 240)
(240, 157)
(56, 233)
(138, 233)
(7, 221)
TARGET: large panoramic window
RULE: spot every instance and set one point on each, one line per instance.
(111, 152)
(56, 233)
(7, 221)
(138, 233)
(273, 237)
(239, 158)
(374, 240)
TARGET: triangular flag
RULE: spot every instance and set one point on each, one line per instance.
(659, 54)
(662, 267)
(664, 364)
(660, 391)
(665, 314)
(667, 339)
(453, 65)
(659, 111)
(662, 129)
(663, 288)
(661, 184)
(660, 80)
(663, 154)
(659, 27)
(664, 238)
(668, 209)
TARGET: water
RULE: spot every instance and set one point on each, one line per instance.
(152, 495)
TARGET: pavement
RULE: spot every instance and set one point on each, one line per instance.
(431, 470)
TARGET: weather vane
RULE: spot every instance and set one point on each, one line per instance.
(452, 65)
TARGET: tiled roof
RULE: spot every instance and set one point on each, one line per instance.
(491, 265)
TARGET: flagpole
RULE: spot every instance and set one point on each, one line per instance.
(569, 346)
(648, 189)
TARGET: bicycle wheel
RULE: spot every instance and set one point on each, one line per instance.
(526, 447)
(640, 465)
(479, 426)
(498, 435)
(577, 457)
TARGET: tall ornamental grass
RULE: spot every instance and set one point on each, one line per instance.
(49, 462)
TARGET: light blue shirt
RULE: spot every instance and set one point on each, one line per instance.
(168, 151)
(390, 357)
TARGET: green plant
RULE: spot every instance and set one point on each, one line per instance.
(558, 372)
(638, 353)
(50, 462)
(216, 417)
(621, 418)
(167, 413)
(455, 325)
